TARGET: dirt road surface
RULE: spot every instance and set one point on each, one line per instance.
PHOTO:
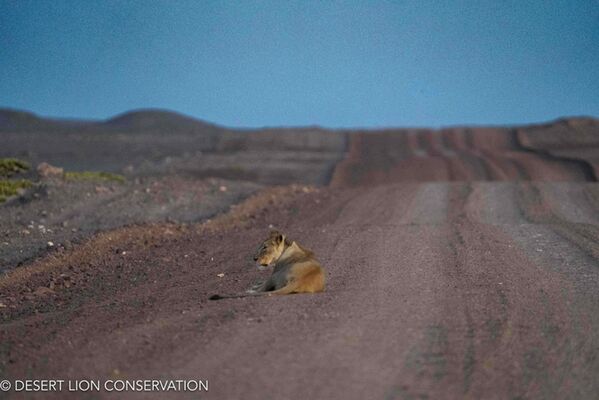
(458, 266)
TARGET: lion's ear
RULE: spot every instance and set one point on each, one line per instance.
(274, 233)
(276, 236)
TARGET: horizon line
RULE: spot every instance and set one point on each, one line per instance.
(307, 126)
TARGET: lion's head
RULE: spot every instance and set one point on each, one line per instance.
(270, 250)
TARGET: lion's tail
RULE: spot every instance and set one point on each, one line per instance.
(235, 296)
(293, 287)
(290, 288)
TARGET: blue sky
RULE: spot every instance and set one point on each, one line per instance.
(336, 64)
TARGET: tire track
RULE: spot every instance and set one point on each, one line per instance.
(538, 208)
(454, 154)
(429, 206)
(479, 169)
(578, 350)
(481, 159)
(481, 321)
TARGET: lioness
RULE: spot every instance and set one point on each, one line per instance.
(295, 268)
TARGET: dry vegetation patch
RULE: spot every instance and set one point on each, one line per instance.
(12, 166)
(11, 187)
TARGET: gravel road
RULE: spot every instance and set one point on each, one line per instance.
(455, 270)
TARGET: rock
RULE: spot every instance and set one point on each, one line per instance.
(220, 275)
(102, 189)
(46, 170)
(42, 291)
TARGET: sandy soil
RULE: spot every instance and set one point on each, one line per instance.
(57, 214)
(460, 264)
(178, 169)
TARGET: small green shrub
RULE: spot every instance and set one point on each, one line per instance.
(11, 188)
(11, 166)
(93, 176)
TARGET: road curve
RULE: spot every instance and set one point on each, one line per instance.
(460, 154)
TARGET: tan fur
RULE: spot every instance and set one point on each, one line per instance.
(296, 270)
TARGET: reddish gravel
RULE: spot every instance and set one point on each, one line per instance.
(447, 278)
(458, 154)
(573, 138)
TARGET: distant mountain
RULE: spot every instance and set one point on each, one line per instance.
(150, 117)
(16, 117)
(24, 121)
(132, 122)
(158, 121)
